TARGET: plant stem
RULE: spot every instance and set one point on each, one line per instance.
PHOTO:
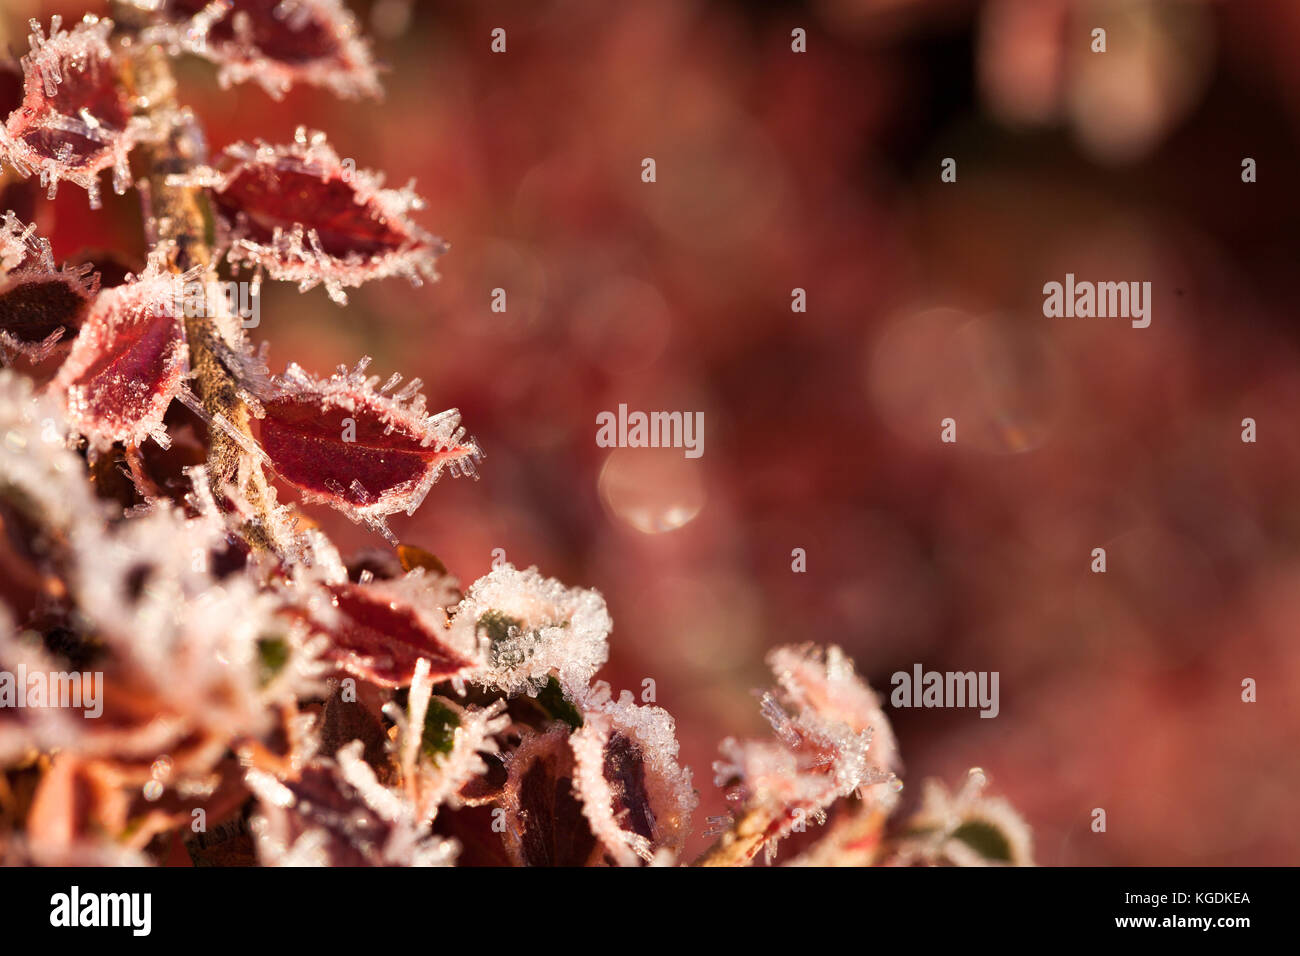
(179, 216)
(853, 838)
(740, 844)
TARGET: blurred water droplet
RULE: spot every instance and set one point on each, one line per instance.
(654, 490)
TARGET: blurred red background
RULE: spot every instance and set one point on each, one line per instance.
(820, 170)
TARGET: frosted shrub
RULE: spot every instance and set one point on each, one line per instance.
(243, 675)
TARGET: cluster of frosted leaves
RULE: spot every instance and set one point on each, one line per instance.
(128, 361)
(596, 780)
(383, 631)
(44, 499)
(337, 813)
(192, 640)
(440, 744)
(182, 636)
(346, 441)
(41, 305)
(24, 729)
(833, 740)
(302, 214)
(76, 813)
(75, 121)
(276, 43)
(529, 628)
(966, 829)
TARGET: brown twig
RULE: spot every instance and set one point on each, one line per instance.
(179, 215)
(741, 843)
(853, 839)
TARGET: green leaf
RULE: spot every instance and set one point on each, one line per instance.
(440, 723)
(985, 839)
(272, 655)
(557, 706)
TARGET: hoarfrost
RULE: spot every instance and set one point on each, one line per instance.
(529, 627)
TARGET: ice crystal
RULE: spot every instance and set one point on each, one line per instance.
(530, 627)
(182, 639)
(303, 215)
(820, 684)
(277, 43)
(595, 779)
(75, 121)
(41, 305)
(365, 450)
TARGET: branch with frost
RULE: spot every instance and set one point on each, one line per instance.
(176, 217)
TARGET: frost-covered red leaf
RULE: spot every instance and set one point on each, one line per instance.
(75, 119)
(277, 43)
(637, 799)
(128, 362)
(40, 305)
(382, 630)
(370, 452)
(304, 215)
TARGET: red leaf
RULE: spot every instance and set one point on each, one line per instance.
(279, 43)
(75, 120)
(545, 823)
(127, 364)
(381, 630)
(625, 773)
(40, 305)
(307, 216)
(360, 449)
